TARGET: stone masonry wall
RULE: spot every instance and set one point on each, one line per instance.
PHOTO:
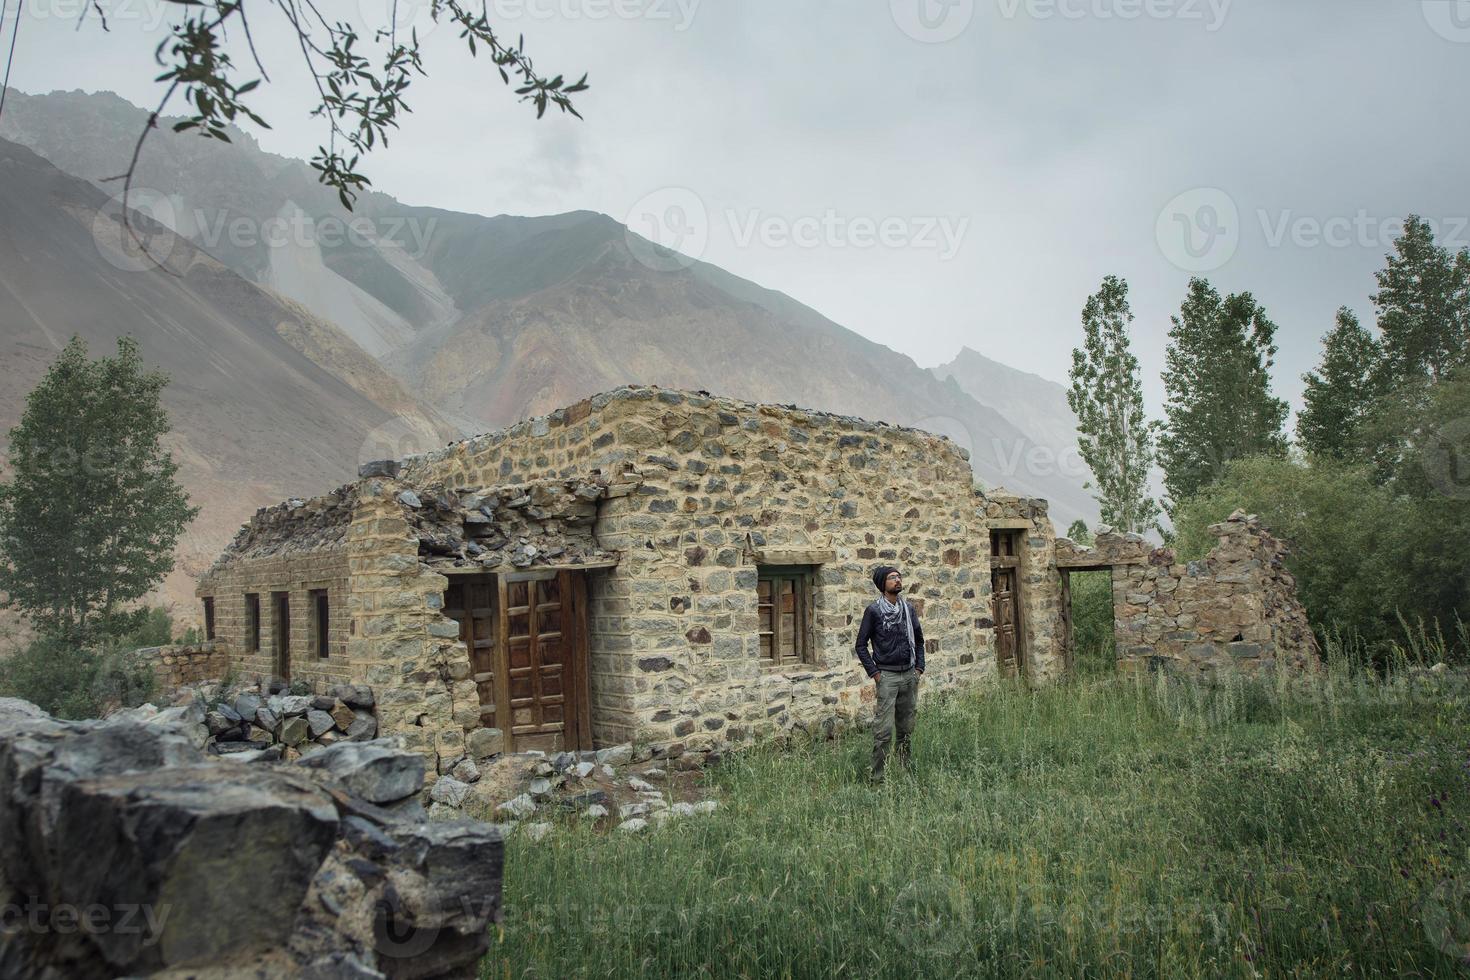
(1235, 609)
(727, 486)
(175, 666)
(298, 575)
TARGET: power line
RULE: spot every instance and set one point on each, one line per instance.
(10, 58)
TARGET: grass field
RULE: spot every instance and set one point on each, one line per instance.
(1108, 827)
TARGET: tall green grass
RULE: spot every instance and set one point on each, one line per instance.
(1122, 826)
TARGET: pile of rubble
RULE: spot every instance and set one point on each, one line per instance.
(541, 523)
(291, 725)
(126, 850)
(520, 788)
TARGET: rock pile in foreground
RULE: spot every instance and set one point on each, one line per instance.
(126, 851)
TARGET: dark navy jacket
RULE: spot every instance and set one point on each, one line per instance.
(890, 646)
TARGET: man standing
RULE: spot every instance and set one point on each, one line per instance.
(896, 663)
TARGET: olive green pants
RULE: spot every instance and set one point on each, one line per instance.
(898, 703)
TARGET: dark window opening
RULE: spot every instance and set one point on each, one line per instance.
(281, 607)
(252, 622)
(320, 623)
(209, 617)
(784, 602)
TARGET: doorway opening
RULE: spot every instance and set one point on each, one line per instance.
(1005, 601)
(525, 634)
(1089, 641)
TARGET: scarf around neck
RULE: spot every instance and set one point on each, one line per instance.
(892, 613)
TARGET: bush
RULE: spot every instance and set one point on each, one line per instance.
(72, 682)
(1093, 640)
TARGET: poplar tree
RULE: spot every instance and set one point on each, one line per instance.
(1340, 393)
(90, 516)
(1115, 436)
(1423, 306)
(1217, 384)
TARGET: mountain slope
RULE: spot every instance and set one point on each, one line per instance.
(493, 319)
(254, 418)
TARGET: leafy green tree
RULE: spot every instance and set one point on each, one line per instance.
(1217, 382)
(1115, 435)
(1353, 541)
(1077, 532)
(1423, 304)
(89, 520)
(1340, 393)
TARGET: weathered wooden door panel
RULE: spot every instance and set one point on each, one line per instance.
(1005, 572)
(472, 603)
(525, 634)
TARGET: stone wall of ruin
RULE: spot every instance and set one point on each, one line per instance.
(175, 666)
(1236, 609)
(721, 486)
(297, 547)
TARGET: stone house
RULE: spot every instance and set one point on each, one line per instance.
(668, 568)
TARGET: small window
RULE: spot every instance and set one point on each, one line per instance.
(784, 601)
(252, 622)
(320, 622)
(209, 617)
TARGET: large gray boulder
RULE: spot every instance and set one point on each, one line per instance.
(199, 866)
(378, 772)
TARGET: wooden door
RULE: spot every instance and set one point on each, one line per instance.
(1005, 597)
(282, 635)
(472, 604)
(1069, 650)
(526, 638)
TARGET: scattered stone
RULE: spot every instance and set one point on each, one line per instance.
(632, 826)
(364, 728)
(466, 771)
(295, 704)
(595, 812)
(449, 791)
(482, 743)
(639, 786)
(294, 731)
(536, 831)
(617, 755)
(584, 769)
(654, 774)
(378, 772)
(517, 808)
(539, 788)
(563, 761)
(266, 718)
(706, 806)
(319, 722)
(634, 809)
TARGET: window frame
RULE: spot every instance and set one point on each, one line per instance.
(804, 580)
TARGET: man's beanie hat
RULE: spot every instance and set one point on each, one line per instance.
(881, 575)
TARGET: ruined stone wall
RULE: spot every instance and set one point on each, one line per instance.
(299, 575)
(1235, 609)
(175, 666)
(717, 487)
(297, 547)
(401, 644)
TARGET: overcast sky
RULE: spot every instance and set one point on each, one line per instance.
(931, 173)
